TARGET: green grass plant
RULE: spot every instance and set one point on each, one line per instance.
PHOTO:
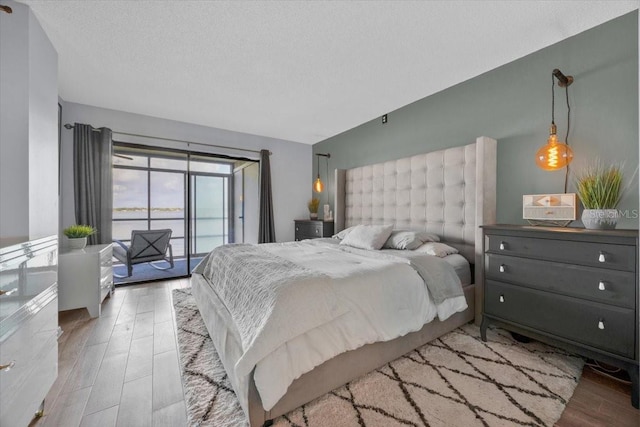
(599, 186)
(78, 231)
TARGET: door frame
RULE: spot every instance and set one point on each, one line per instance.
(189, 154)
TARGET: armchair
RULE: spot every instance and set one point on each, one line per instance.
(146, 246)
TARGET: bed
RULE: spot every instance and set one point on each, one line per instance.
(448, 192)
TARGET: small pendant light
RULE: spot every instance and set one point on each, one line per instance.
(318, 185)
(555, 154)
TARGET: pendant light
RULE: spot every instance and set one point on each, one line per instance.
(555, 154)
(318, 185)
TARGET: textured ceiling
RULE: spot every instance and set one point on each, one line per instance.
(301, 71)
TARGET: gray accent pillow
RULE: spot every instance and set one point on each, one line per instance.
(370, 237)
(409, 240)
(437, 249)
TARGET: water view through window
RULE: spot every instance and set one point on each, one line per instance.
(186, 193)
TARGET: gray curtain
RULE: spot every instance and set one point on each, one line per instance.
(93, 190)
(266, 230)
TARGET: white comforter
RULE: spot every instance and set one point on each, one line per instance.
(381, 298)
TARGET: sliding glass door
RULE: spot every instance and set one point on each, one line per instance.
(190, 194)
(149, 193)
(210, 212)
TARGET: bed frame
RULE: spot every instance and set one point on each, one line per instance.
(460, 186)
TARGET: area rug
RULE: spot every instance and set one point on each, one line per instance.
(456, 380)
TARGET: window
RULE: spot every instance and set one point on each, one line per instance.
(185, 192)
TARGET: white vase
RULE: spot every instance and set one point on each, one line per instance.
(600, 219)
(77, 243)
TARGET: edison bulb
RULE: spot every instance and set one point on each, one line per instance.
(554, 155)
(318, 186)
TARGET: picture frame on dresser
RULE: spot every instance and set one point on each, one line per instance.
(573, 288)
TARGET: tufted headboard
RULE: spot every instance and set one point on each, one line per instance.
(448, 192)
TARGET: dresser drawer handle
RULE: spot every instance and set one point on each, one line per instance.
(601, 286)
(297, 229)
(601, 324)
(317, 231)
(501, 268)
(501, 298)
(601, 258)
(502, 246)
(8, 366)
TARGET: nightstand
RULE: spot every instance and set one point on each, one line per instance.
(85, 278)
(572, 288)
(312, 229)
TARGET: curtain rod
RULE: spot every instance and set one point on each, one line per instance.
(69, 126)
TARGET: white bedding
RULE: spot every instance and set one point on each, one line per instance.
(383, 297)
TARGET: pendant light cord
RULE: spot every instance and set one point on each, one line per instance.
(553, 100)
(553, 108)
(328, 186)
(566, 138)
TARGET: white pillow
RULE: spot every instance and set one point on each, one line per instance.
(341, 235)
(437, 249)
(409, 240)
(368, 236)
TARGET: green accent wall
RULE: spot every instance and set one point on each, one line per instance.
(512, 104)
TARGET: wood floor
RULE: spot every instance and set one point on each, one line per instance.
(122, 370)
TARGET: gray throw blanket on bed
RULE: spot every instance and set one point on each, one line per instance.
(440, 277)
(270, 299)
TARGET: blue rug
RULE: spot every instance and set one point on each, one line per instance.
(145, 272)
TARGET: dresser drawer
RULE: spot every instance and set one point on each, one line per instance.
(312, 229)
(106, 259)
(597, 284)
(308, 230)
(33, 350)
(106, 282)
(566, 317)
(106, 274)
(602, 255)
(21, 386)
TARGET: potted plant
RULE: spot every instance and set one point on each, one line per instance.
(77, 235)
(600, 190)
(313, 208)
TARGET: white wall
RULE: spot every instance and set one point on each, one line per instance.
(43, 133)
(14, 120)
(28, 129)
(290, 161)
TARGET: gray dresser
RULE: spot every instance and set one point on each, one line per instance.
(312, 229)
(569, 287)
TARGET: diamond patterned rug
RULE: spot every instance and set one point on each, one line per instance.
(456, 380)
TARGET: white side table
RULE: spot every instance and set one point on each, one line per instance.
(85, 278)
